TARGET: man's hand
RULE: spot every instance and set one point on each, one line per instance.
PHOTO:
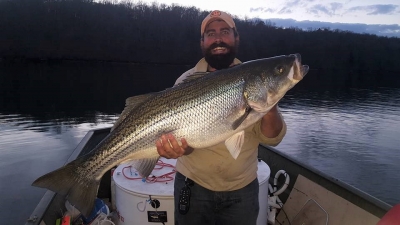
(168, 147)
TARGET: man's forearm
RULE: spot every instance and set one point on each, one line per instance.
(272, 123)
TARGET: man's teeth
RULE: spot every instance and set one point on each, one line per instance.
(219, 48)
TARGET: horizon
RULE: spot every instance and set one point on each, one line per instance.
(379, 17)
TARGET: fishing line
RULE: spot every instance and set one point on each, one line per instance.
(152, 179)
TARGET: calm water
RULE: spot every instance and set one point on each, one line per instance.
(353, 136)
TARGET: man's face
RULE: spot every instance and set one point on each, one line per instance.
(219, 44)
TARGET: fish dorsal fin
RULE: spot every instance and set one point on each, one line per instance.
(130, 104)
(194, 76)
(234, 144)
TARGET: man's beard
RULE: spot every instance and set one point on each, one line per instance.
(220, 61)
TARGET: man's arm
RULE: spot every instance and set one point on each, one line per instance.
(272, 127)
(272, 123)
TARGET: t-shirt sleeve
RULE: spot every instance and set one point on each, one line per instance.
(269, 141)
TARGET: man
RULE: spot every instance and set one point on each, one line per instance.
(223, 190)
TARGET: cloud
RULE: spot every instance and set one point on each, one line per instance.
(376, 9)
(335, 6)
(392, 30)
(292, 3)
(329, 10)
(317, 9)
(262, 9)
(285, 10)
(288, 7)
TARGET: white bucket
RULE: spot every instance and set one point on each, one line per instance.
(132, 196)
(263, 174)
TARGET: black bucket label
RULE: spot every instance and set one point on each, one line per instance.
(157, 216)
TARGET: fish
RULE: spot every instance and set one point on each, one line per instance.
(205, 109)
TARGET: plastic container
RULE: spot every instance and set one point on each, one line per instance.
(263, 174)
(132, 197)
(99, 207)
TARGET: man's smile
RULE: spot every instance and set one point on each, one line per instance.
(219, 50)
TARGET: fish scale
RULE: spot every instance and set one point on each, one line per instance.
(205, 110)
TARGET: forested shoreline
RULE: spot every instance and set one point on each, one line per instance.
(52, 31)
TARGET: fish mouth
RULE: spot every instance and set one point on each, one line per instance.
(299, 70)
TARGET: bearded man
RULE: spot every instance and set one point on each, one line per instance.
(220, 189)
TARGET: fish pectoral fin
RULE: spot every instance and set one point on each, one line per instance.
(130, 104)
(239, 121)
(234, 144)
(145, 166)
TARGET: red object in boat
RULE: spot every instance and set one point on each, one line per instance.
(392, 217)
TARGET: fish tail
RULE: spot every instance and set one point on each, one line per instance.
(81, 191)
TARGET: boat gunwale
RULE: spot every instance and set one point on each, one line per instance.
(44, 203)
(352, 194)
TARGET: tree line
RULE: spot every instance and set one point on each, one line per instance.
(134, 32)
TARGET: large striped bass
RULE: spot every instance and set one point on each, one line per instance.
(206, 109)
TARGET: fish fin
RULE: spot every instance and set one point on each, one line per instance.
(130, 104)
(80, 191)
(194, 76)
(145, 166)
(234, 144)
(239, 121)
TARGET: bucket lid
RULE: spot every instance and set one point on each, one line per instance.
(129, 180)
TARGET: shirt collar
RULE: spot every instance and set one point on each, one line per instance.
(202, 65)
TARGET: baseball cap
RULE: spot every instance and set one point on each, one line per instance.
(217, 15)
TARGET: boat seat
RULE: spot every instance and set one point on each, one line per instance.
(299, 209)
(392, 217)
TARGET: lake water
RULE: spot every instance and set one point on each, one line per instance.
(352, 135)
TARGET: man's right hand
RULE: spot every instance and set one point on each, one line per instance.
(168, 147)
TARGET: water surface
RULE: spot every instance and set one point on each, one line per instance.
(351, 135)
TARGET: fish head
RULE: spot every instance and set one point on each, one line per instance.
(281, 73)
(282, 70)
(272, 78)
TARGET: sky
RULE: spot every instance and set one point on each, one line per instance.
(380, 17)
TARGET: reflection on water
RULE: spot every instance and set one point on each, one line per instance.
(30, 148)
(350, 135)
(47, 107)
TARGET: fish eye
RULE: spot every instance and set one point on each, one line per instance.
(279, 69)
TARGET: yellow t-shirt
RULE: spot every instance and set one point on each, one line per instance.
(214, 168)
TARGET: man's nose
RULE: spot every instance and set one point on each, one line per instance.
(217, 38)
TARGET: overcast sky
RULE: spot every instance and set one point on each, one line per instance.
(381, 17)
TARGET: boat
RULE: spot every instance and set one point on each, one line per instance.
(297, 194)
